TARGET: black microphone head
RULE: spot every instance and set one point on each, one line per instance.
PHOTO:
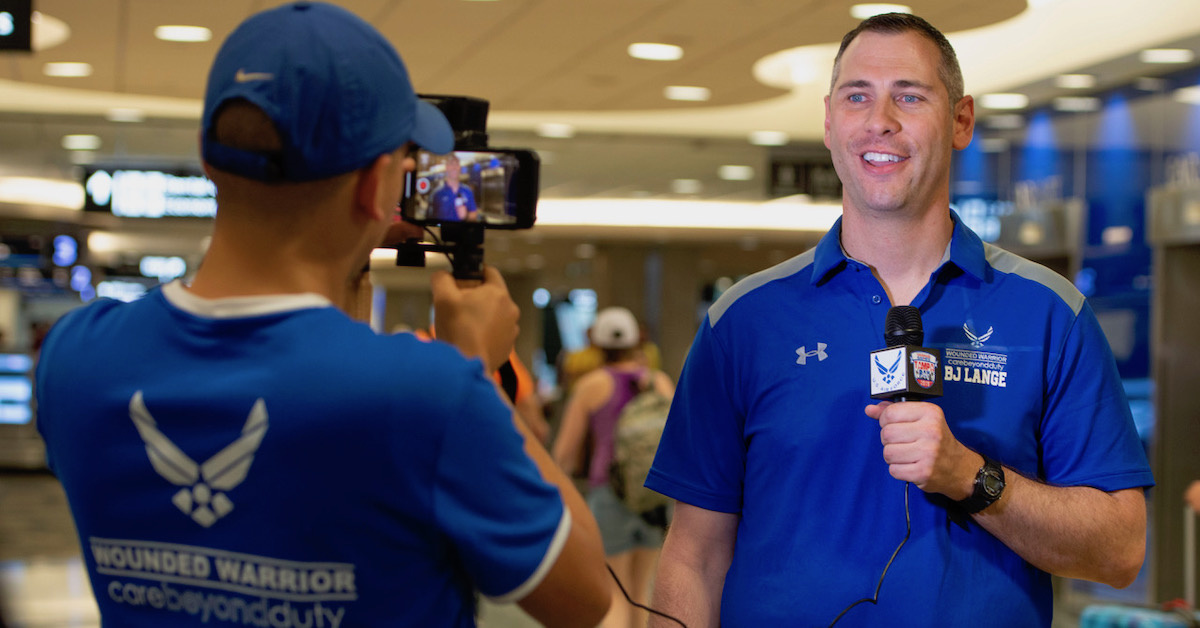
(903, 327)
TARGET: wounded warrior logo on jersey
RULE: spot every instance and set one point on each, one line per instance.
(988, 368)
(202, 495)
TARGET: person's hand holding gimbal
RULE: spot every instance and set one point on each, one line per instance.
(480, 318)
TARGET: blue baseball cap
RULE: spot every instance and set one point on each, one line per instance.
(335, 88)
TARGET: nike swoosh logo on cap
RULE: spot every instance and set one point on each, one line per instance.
(243, 76)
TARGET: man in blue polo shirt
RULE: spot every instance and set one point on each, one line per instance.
(453, 200)
(791, 503)
(237, 451)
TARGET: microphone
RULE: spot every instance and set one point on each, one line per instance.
(905, 371)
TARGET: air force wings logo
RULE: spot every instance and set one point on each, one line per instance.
(888, 373)
(202, 495)
(977, 341)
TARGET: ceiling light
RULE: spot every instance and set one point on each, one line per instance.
(48, 31)
(1075, 81)
(189, 34)
(67, 70)
(39, 191)
(1188, 95)
(688, 93)
(81, 142)
(1077, 103)
(769, 138)
(1007, 121)
(686, 186)
(731, 172)
(655, 52)
(864, 11)
(556, 130)
(1166, 55)
(125, 114)
(1004, 101)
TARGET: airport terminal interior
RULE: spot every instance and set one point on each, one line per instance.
(679, 149)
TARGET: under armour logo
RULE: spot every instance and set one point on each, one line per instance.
(201, 496)
(888, 373)
(977, 341)
(803, 355)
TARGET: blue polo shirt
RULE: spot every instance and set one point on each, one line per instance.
(258, 461)
(768, 423)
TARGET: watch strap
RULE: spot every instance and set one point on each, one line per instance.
(983, 496)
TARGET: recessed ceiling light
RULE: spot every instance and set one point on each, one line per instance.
(1004, 101)
(655, 52)
(67, 69)
(190, 34)
(769, 138)
(687, 92)
(81, 142)
(730, 172)
(686, 186)
(1075, 81)
(556, 130)
(1166, 55)
(864, 11)
(1188, 95)
(125, 114)
(1077, 103)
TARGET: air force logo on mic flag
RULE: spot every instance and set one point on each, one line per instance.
(202, 495)
(888, 374)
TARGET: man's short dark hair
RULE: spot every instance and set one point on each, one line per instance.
(898, 23)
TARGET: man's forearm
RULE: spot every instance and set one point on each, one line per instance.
(1073, 531)
(684, 594)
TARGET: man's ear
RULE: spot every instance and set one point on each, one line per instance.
(370, 188)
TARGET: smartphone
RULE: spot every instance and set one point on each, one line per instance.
(497, 187)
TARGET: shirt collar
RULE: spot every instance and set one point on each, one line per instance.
(966, 251)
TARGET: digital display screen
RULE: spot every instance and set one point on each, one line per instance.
(16, 25)
(148, 193)
(16, 388)
(493, 187)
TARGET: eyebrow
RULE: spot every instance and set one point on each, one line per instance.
(902, 84)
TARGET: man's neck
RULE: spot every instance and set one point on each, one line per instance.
(902, 251)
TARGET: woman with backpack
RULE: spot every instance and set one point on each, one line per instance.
(631, 540)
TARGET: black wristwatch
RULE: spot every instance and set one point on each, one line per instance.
(989, 486)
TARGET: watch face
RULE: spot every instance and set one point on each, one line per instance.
(992, 484)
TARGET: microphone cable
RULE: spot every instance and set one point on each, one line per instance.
(875, 598)
(641, 606)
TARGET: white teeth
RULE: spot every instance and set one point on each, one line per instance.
(873, 157)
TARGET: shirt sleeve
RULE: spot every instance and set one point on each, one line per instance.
(1088, 434)
(701, 458)
(507, 522)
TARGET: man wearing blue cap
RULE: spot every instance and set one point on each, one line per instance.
(238, 450)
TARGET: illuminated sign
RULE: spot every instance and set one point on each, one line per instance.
(16, 26)
(131, 193)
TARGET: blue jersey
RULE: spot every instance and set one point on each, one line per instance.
(269, 461)
(447, 202)
(768, 423)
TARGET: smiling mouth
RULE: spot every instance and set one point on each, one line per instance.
(882, 159)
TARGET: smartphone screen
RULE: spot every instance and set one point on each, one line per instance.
(496, 187)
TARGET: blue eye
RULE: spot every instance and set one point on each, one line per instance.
(857, 98)
(909, 98)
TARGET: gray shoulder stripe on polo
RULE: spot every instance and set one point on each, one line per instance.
(778, 271)
(1007, 262)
